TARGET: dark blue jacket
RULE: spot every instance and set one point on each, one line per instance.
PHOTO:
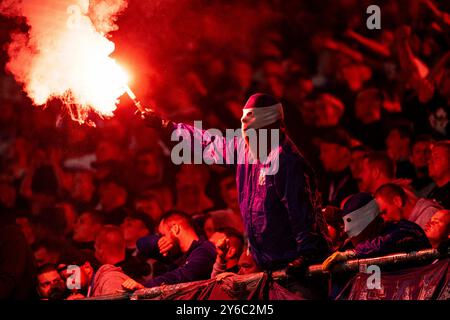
(281, 211)
(394, 237)
(196, 264)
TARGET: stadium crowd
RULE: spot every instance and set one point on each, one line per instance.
(369, 110)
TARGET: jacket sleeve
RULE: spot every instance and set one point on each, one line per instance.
(109, 284)
(298, 195)
(208, 146)
(403, 237)
(198, 266)
(148, 247)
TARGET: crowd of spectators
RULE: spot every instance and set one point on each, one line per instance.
(369, 109)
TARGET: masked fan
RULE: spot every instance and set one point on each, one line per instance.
(369, 236)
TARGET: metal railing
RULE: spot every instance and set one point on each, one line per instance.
(393, 260)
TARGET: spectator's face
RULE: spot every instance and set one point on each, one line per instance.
(356, 162)
(242, 72)
(27, 229)
(390, 211)
(83, 187)
(148, 165)
(439, 120)
(107, 151)
(43, 256)
(421, 154)
(150, 207)
(367, 178)
(439, 164)
(276, 86)
(334, 157)
(229, 192)
(167, 231)
(112, 195)
(69, 214)
(86, 273)
(368, 108)
(85, 229)
(397, 146)
(437, 229)
(133, 229)
(327, 115)
(188, 194)
(308, 110)
(355, 75)
(51, 285)
(246, 264)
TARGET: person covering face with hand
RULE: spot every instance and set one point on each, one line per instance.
(176, 234)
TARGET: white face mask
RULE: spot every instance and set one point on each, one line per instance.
(358, 220)
(256, 118)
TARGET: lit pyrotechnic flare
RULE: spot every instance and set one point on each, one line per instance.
(66, 54)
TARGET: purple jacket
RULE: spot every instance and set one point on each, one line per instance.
(281, 211)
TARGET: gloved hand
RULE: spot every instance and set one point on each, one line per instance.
(336, 257)
(297, 268)
(153, 119)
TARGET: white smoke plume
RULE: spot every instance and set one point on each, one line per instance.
(66, 53)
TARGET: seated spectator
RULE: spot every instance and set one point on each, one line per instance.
(26, 225)
(50, 285)
(190, 185)
(219, 219)
(50, 223)
(396, 204)
(438, 228)
(48, 251)
(83, 191)
(368, 125)
(329, 111)
(335, 157)
(177, 234)
(229, 244)
(86, 229)
(370, 236)
(358, 155)
(246, 265)
(149, 170)
(87, 264)
(109, 251)
(135, 226)
(420, 156)
(398, 143)
(44, 189)
(229, 194)
(439, 169)
(113, 198)
(148, 203)
(335, 225)
(377, 169)
(16, 261)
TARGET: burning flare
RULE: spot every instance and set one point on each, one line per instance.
(66, 53)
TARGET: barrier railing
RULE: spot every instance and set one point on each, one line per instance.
(399, 260)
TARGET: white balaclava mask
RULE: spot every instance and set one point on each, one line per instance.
(260, 110)
(356, 221)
